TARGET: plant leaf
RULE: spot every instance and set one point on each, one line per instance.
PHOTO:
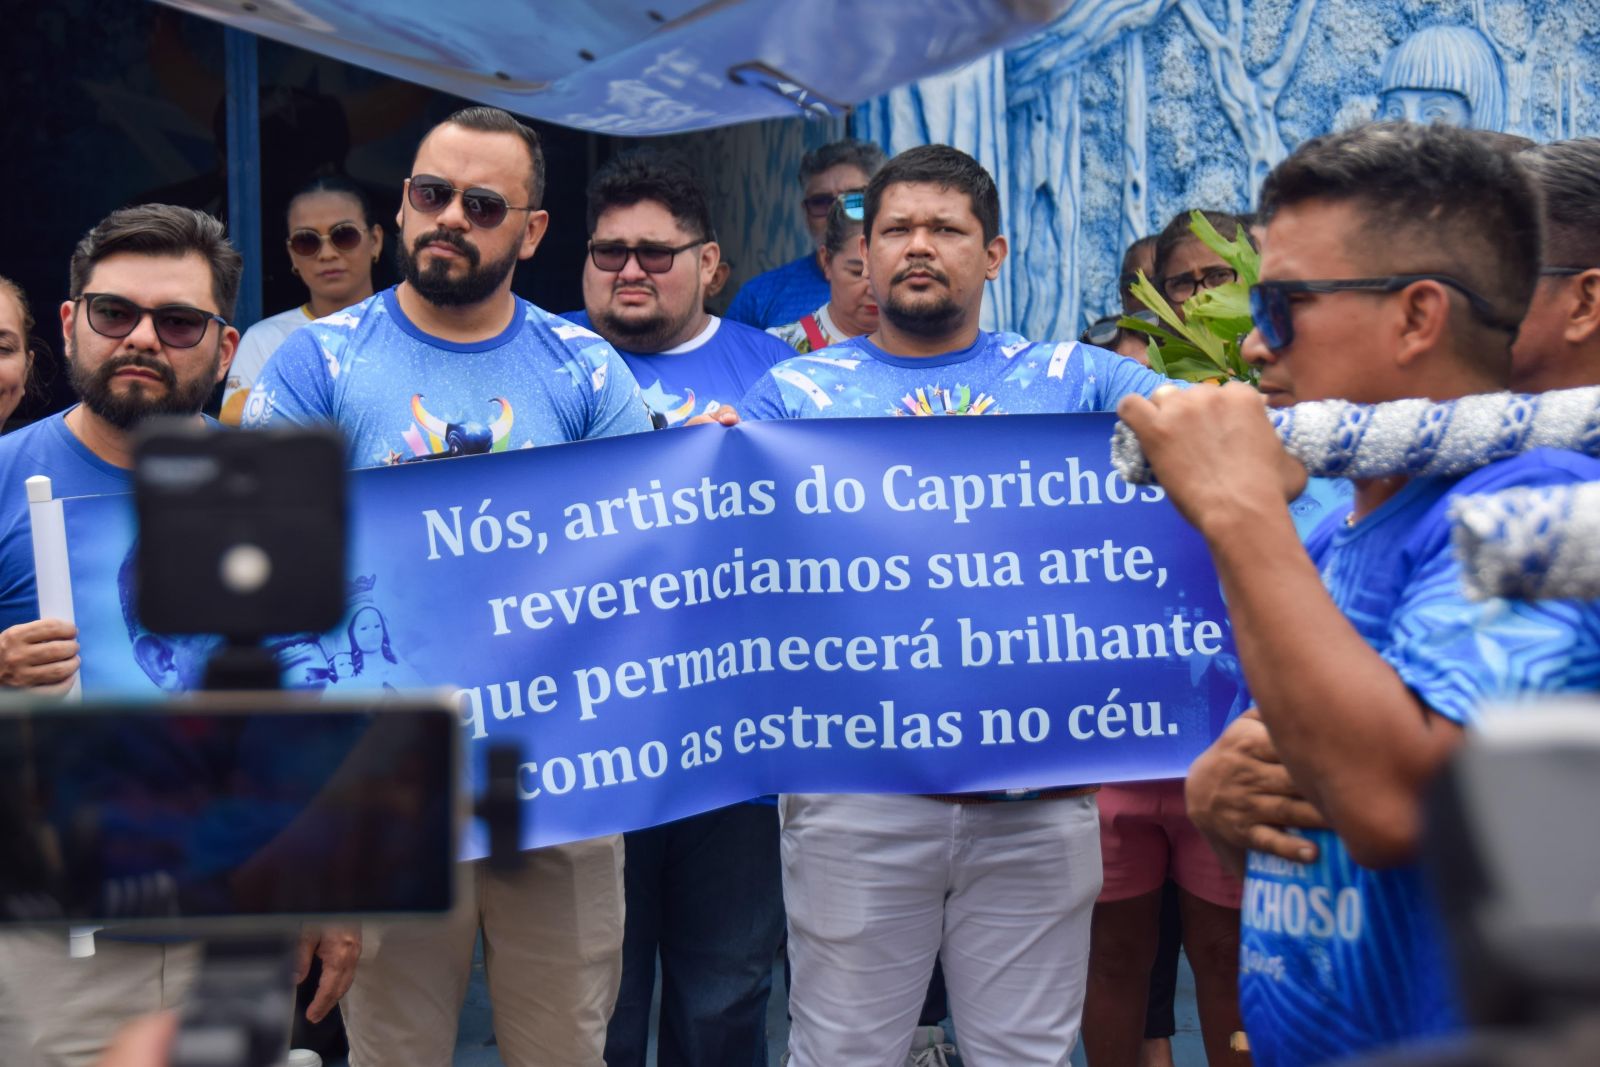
(1237, 253)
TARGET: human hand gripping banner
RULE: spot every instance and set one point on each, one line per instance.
(668, 623)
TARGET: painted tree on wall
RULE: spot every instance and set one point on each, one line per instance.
(1250, 101)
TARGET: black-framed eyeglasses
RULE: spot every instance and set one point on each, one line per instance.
(1178, 288)
(1105, 331)
(344, 237)
(612, 256)
(817, 206)
(484, 208)
(1273, 313)
(177, 325)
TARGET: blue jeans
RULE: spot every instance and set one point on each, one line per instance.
(705, 892)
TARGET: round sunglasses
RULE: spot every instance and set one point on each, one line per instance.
(484, 208)
(177, 325)
(345, 237)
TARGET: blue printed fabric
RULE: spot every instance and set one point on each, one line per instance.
(46, 447)
(781, 295)
(711, 371)
(1337, 959)
(999, 374)
(400, 394)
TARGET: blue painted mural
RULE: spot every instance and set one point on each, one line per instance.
(1122, 113)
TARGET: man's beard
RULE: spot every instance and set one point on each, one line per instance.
(435, 284)
(651, 333)
(930, 317)
(126, 408)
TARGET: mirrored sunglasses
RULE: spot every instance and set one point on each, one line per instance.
(484, 208)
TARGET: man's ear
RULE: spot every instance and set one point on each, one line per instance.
(996, 255)
(1424, 310)
(155, 658)
(533, 233)
(1583, 314)
(710, 256)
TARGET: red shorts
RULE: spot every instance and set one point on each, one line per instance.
(1146, 837)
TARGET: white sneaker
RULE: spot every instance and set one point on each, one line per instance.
(930, 1049)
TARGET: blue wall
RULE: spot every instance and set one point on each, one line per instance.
(1125, 112)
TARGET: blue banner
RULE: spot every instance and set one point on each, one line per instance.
(671, 622)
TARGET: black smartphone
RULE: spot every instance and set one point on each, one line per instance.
(241, 532)
(228, 807)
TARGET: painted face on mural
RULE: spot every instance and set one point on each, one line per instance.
(1425, 106)
(927, 259)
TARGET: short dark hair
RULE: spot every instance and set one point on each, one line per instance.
(649, 174)
(496, 120)
(1128, 271)
(839, 229)
(946, 167)
(1567, 174)
(339, 185)
(1176, 232)
(1434, 198)
(161, 230)
(863, 154)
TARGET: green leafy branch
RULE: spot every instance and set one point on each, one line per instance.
(1204, 344)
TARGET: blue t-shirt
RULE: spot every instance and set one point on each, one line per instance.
(46, 447)
(711, 370)
(781, 295)
(1336, 959)
(400, 394)
(999, 374)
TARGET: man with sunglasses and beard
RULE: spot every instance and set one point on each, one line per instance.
(146, 331)
(450, 362)
(1397, 264)
(704, 891)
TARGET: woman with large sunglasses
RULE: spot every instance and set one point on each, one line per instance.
(851, 310)
(333, 245)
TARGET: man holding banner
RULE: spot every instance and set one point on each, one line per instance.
(146, 333)
(1398, 262)
(1000, 887)
(405, 375)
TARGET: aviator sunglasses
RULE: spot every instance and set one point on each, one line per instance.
(307, 243)
(177, 325)
(1273, 313)
(484, 208)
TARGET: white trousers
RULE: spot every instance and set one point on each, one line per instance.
(877, 886)
(56, 1011)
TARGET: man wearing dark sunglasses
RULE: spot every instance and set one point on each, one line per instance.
(451, 363)
(146, 333)
(1558, 346)
(785, 294)
(703, 892)
(652, 256)
(1398, 260)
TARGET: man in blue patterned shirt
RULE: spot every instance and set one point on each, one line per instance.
(999, 887)
(1398, 261)
(450, 363)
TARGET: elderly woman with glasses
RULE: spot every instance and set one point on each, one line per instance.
(851, 309)
(333, 246)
